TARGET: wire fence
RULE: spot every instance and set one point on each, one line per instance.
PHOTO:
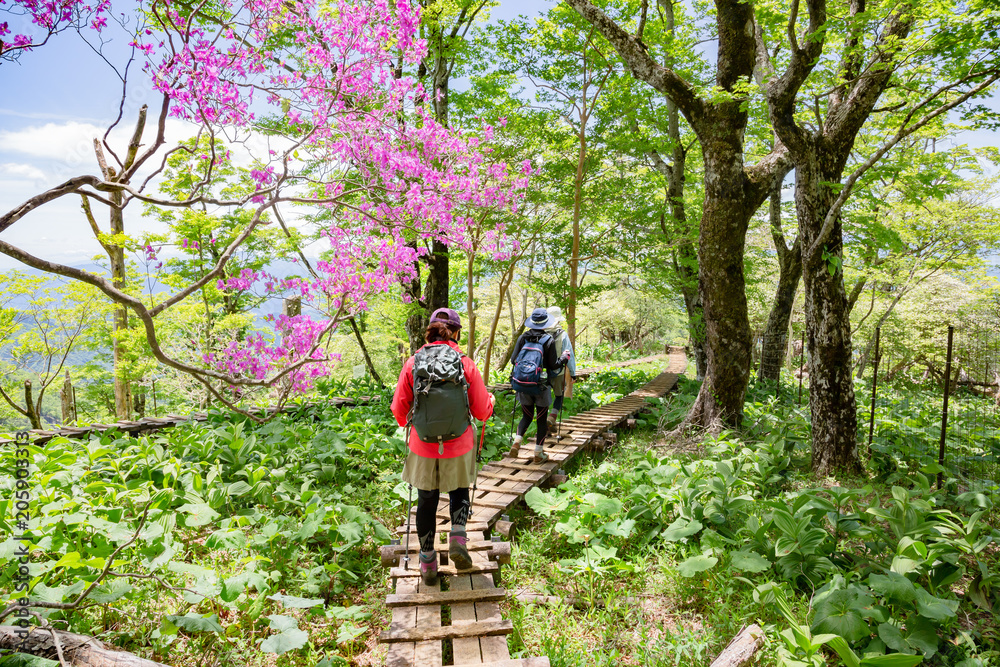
(932, 407)
(949, 397)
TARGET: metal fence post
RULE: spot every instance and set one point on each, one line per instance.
(871, 420)
(944, 410)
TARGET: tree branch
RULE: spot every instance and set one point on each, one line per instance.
(641, 64)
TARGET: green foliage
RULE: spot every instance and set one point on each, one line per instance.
(886, 571)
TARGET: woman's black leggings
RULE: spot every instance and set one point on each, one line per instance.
(527, 413)
(427, 502)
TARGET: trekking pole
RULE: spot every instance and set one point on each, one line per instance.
(510, 436)
(409, 512)
(477, 465)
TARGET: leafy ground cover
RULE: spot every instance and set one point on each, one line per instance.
(663, 553)
(227, 542)
(234, 544)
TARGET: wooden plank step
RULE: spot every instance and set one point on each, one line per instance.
(428, 651)
(402, 654)
(466, 650)
(551, 464)
(447, 597)
(446, 570)
(419, 634)
(514, 478)
(415, 548)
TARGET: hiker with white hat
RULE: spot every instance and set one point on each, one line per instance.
(535, 364)
(562, 344)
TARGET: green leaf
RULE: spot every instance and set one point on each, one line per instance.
(546, 503)
(748, 561)
(199, 514)
(226, 539)
(680, 529)
(696, 564)
(238, 488)
(893, 638)
(193, 622)
(352, 532)
(289, 640)
(935, 608)
(25, 660)
(839, 614)
(597, 503)
(893, 660)
(110, 591)
(618, 527)
(281, 623)
(292, 602)
(894, 586)
(922, 635)
(348, 632)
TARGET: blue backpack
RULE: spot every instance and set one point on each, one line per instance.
(529, 367)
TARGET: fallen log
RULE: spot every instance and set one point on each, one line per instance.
(78, 650)
(742, 648)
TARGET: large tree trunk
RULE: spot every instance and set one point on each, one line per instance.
(831, 385)
(732, 195)
(775, 343)
(726, 215)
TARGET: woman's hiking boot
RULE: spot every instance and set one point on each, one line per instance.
(515, 447)
(551, 419)
(429, 569)
(458, 552)
(540, 456)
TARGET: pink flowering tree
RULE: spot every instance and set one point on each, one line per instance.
(318, 117)
(37, 21)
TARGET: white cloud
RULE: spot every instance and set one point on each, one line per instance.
(25, 172)
(53, 141)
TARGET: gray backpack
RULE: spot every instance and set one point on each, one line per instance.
(440, 395)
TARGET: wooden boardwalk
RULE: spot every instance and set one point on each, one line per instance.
(459, 618)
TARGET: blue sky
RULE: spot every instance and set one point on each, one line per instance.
(53, 105)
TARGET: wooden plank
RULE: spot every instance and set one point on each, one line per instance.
(493, 648)
(402, 654)
(466, 649)
(419, 634)
(445, 570)
(430, 651)
(497, 497)
(508, 476)
(415, 548)
(537, 467)
(447, 597)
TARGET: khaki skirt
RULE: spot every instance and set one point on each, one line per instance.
(442, 474)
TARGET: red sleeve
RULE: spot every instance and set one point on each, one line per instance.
(479, 398)
(402, 400)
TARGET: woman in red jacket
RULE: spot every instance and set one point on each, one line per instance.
(443, 464)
